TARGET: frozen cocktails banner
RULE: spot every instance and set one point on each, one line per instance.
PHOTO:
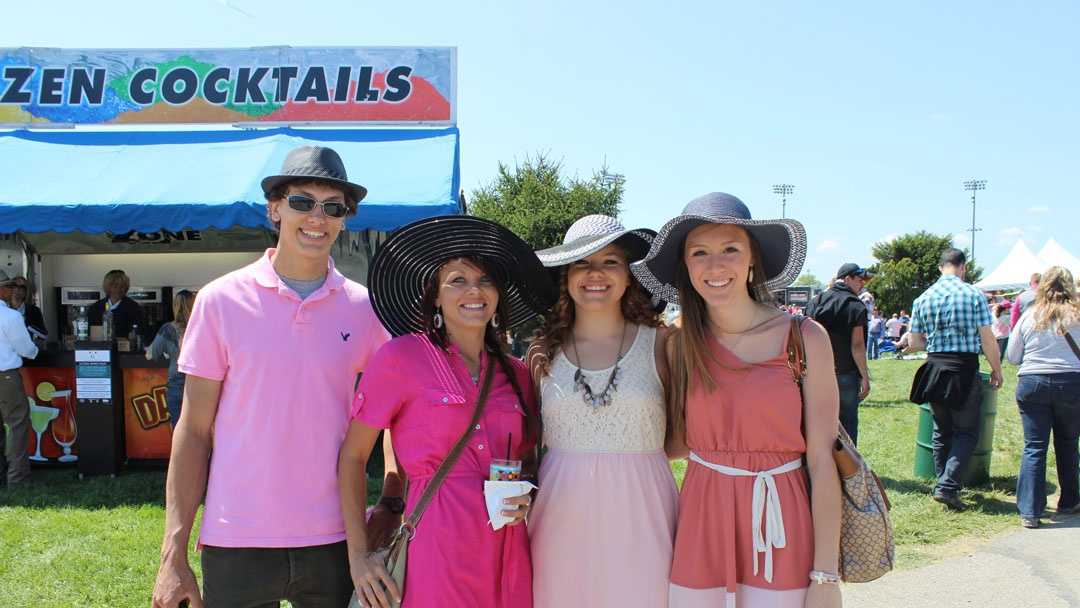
(271, 84)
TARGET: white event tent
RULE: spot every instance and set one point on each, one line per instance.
(1020, 263)
(1053, 254)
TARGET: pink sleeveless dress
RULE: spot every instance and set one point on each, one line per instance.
(745, 536)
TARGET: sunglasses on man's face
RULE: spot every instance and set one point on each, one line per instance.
(305, 204)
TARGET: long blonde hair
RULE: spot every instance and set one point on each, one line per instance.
(1056, 308)
(690, 346)
(182, 304)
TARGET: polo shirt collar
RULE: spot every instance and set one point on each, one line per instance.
(266, 276)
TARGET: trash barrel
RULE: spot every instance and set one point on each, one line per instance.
(978, 468)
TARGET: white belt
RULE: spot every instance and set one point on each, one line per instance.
(766, 506)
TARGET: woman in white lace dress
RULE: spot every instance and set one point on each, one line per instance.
(603, 523)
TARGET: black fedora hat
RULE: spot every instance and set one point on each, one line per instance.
(314, 162)
(782, 244)
(405, 263)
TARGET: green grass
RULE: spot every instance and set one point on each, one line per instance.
(65, 542)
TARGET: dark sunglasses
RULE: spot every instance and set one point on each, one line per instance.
(305, 204)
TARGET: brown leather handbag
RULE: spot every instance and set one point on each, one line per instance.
(867, 550)
(395, 555)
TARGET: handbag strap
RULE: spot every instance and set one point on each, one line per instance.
(451, 459)
(1072, 344)
(796, 350)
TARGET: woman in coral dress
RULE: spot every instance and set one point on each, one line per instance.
(749, 532)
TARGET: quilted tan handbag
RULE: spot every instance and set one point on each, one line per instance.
(866, 533)
(394, 556)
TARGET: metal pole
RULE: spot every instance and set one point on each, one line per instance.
(783, 190)
(974, 185)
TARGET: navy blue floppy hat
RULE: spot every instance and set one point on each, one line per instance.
(782, 244)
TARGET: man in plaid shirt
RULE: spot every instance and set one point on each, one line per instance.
(952, 322)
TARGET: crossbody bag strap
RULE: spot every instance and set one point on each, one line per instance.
(451, 459)
(1072, 344)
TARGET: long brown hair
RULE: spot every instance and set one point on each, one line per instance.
(690, 349)
(494, 338)
(182, 303)
(635, 305)
(1056, 308)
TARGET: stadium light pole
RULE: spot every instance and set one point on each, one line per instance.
(974, 185)
(783, 190)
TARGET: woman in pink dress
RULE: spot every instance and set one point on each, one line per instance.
(750, 533)
(603, 524)
(447, 287)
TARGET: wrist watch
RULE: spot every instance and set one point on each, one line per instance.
(395, 504)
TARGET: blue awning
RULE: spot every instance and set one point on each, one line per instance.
(117, 181)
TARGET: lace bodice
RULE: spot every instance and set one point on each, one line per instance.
(635, 421)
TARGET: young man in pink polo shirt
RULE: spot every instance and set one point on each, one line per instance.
(271, 353)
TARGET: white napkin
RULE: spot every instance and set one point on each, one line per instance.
(494, 494)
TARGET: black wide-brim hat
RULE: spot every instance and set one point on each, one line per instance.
(782, 244)
(314, 162)
(405, 263)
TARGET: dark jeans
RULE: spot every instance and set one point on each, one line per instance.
(1048, 402)
(309, 577)
(174, 395)
(848, 383)
(956, 433)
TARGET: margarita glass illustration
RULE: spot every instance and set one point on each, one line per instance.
(64, 430)
(40, 417)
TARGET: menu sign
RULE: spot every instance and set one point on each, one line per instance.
(93, 376)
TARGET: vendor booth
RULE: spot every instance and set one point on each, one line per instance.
(176, 206)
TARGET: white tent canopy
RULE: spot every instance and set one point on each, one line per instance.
(1014, 271)
(1053, 254)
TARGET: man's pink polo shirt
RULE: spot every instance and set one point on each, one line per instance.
(288, 368)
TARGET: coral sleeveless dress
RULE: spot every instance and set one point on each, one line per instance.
(745, 533)
(603, 523)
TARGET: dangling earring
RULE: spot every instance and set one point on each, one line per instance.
(495, 321)
(437, 320)
(750, 278)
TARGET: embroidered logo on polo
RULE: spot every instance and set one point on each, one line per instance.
(345, 336)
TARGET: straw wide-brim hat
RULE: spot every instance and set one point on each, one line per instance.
(591, 234)
(407, 261)
(782, 244)
(314, 162)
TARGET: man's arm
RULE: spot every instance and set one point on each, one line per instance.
(858, 352)
(15, 330)
(993, 355)
(185, 486)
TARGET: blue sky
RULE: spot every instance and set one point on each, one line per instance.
(876, 113)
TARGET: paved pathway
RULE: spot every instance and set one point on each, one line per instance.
(1019, 569)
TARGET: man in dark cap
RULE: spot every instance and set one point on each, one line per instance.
(844, 316)
(271, 353)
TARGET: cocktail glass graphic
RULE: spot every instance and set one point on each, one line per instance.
(40, 417)
(64, 429)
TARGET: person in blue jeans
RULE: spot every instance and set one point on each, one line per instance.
(1048, 394)
(839, 310)
(876, 333)
(166, 345)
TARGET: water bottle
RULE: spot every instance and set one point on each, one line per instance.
(82, 325)
(107, 325)
(135, 339)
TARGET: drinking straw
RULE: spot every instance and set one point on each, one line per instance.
(509, 441)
